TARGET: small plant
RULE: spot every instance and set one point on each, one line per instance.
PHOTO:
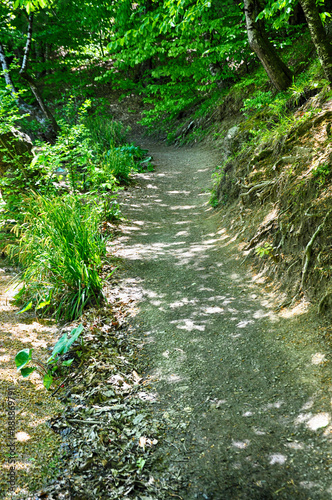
(255, 103)
(214, 202)
(142, 161)
(140, 462)
(47, 370)
(265, 250)
(321, 172)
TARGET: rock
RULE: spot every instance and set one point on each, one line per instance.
(233, 141)
(14, 145)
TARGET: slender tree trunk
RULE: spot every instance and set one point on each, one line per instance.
(23, 107)
(318, 35)
(27, 46)
(279, 74)
(5, 69)
(32, 84)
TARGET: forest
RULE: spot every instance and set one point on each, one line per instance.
(100, 103)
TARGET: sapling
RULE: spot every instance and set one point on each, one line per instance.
(46, 370)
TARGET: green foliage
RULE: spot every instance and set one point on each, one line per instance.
(180, 52)
(120, 164)
(214, 202)
(321, 172)
(264, 250)
(284, 9)
(141, 159)
(255, 79)
(104, 131)
(31, 5)
(261, 99)
(140, 462)
(271, 115)
(9, 112)
(90, 153)
(63, 345)
(58, 228)
(47, 370)
(61, 250)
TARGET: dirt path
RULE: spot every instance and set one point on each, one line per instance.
(247, 391)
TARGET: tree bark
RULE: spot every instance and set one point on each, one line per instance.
(23, 107)
(5, 69)
(279, 74)
(318, 35)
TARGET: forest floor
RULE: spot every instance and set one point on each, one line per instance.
(246, 390)
(36, 445)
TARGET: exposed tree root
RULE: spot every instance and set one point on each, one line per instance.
(325, 303)
(255, 239)
(287, 302)
(307, 252)
(254, 187)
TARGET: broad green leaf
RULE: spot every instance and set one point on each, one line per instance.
(68, 362)
(63, 345)
(75, 333)
(59, 347)
(19, 294)
(22, 358)
(47, 381)
(25, 372)
(26, 308)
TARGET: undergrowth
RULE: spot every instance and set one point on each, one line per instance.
(56, 204)
(267, 119)
(61, 250)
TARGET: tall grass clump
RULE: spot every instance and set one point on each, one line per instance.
(61, 250)
(105, 132)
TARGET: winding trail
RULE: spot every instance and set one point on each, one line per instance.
(247, 391)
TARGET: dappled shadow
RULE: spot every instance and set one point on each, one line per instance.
(34, 441)
(243, 387)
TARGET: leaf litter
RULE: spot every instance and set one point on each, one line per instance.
(109, 436)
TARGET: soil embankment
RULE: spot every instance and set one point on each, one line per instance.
(246, 390)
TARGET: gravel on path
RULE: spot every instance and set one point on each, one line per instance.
(247, 391)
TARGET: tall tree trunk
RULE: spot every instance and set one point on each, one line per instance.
(318, 35)
(32, 84)
(23, 107)
(6, 73)
(279, 74)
